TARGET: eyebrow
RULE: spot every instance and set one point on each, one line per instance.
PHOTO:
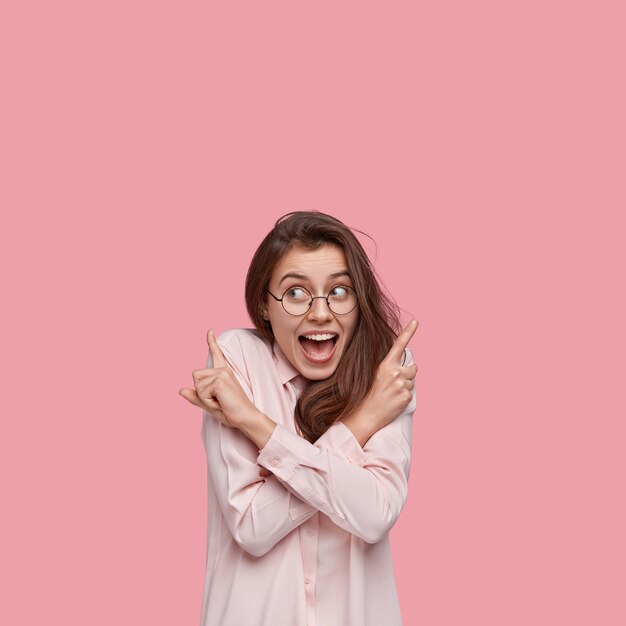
(305, 277)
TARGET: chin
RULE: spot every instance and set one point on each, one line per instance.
(317, 374)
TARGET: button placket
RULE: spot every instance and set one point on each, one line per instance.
(308, 544)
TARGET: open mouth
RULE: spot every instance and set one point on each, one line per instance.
(318, 347)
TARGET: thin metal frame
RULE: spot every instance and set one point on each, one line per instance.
(315, 298)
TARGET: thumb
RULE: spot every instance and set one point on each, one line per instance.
(191, 396)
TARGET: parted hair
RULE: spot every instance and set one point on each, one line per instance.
(323, 402)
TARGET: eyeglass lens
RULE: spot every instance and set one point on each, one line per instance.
(297, 300)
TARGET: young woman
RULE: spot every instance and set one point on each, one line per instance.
(307, 430)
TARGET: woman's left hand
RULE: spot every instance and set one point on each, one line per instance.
(218, 391)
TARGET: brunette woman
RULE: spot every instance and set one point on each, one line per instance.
(307, 429)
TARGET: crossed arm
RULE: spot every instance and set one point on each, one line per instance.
(354, 473)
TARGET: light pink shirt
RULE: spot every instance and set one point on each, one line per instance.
(298, 533)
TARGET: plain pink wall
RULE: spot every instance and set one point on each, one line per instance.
(147, 147)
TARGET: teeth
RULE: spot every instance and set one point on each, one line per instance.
(320, 337)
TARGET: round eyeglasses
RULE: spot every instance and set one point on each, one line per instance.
(298, 300)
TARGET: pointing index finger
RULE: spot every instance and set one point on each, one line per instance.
(216, 353)
(400, 344)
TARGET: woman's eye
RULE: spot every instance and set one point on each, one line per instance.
(297, 293)
(338, 292)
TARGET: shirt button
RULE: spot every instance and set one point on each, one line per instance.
(309, 533)
(349, 459)
(307, 580)
(274, 462)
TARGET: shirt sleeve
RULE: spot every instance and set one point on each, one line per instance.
(362, 490)
(258, 510)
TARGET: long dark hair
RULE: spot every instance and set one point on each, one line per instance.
(323, 402)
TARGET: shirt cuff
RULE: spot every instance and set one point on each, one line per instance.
(285, 450)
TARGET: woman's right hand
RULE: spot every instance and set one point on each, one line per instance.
(390, 393)
(217, 391)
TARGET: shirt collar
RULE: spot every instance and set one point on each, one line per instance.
(286, 371)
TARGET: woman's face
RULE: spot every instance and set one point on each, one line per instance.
(304, 339)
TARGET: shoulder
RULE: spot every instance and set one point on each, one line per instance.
(243, 345)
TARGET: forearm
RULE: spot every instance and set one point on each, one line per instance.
(257, 427)
(361, 427)
(259, 511)
(360, 491)
(329, 475)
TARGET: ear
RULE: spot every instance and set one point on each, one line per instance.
(264, 314)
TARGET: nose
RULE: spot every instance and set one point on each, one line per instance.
(319, 310)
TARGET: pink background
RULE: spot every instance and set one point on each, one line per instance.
(147, 147)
